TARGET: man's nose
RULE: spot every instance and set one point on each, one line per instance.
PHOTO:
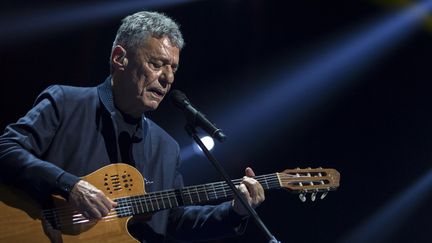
(167, 76)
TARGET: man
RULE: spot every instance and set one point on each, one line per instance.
(73, 131)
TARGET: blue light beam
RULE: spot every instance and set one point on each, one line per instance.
(297, 92)
(18, 26)
(391, 217)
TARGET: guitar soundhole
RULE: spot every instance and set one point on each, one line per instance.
(116, 182)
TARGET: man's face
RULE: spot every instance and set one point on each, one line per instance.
(148, 76)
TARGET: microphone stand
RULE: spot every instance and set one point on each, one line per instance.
(191, 130)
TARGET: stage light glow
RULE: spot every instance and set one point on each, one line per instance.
(208, 143)
(189, 151)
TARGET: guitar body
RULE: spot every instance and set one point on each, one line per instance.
(20, 222)
(21, 218)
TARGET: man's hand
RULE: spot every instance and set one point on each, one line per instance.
(252, 191)
(90, 201)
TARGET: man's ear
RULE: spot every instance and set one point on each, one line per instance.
(118, 58)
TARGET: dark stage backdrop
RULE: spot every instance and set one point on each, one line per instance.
(377, 133)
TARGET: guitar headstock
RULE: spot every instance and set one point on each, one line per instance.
(309, 180)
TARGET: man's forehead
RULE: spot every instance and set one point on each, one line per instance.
(159, 46)
(153, 41)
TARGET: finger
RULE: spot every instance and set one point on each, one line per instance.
(85, 214)
(93, 204)
(245, 192)
(113, 203)
(100, 206)
(255, 190)
(251, 186)
(92, 213)
(109, 204)
(249, 172)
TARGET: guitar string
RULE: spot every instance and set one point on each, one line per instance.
(128, 206)
(114, 216)
(132, 203)
(80, 219)
(163, 197)
(151, 198)
(154, 197)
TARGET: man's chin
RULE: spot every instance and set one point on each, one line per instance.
(151, 106)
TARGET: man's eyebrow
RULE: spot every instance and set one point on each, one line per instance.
(160, 58)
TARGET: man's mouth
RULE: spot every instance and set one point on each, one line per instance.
(157, 92)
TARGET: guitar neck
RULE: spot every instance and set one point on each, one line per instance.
(186, 196)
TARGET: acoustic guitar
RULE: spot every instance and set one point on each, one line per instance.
(22, 220)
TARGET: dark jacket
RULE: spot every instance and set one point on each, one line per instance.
(71, 132)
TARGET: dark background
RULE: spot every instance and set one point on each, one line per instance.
(377, 133)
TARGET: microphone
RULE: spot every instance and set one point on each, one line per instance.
(195, 117)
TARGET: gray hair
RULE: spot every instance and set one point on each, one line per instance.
(139, 26)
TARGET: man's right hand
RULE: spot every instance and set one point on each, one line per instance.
(90, 201)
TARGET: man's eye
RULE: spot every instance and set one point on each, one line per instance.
(155, 65)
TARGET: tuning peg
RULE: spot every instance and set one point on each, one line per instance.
(324, 195)
(302, 197)
(313, 196)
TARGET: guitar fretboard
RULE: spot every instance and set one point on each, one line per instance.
(191, 195)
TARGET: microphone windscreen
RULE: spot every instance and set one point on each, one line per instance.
(178, 98)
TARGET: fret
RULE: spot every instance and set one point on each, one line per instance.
(169, 199)
(181, 195)
(190, 196)
(157, 203)
(220, 186)
(163, 201)
(145, 201)
(174, 195)
(214, 191)
(266, 183)
(223, 189)
(128, 207)
(175, 199)
(202, 193)
(151, 203)
(119, 208)
(140, 203)
(205, 192)
(125, 207)
(133, 208)
(196, 189)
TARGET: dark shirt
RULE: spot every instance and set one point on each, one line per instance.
(129, 137)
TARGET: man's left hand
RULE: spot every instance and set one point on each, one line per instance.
(251, 190)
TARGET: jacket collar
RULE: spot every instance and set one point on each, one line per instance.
(107, 98)
(106, 95)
